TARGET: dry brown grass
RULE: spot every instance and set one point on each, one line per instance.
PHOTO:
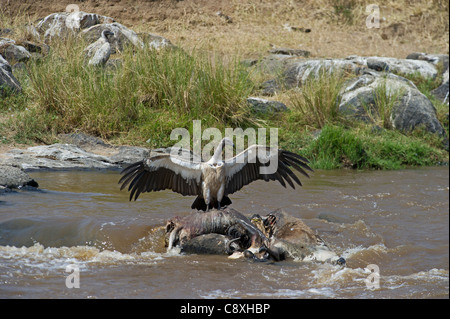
(337, 26)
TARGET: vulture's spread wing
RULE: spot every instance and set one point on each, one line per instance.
(162, 171)
(262, 162)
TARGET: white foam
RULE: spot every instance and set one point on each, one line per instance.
(325, 292)
(39, 257)
(350, 252)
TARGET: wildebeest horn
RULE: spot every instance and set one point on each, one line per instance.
(229, 249)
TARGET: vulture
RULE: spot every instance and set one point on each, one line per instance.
(211, 181)
(100, 51)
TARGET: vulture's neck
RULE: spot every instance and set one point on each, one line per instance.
(217, 157)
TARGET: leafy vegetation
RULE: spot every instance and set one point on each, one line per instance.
(142, 98)
(148, 92)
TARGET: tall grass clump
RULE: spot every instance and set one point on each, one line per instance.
(149, 90)
(79, 96)
(194, 84)
(385, 100)
(317, 103)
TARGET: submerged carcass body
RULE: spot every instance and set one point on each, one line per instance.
(277, 236)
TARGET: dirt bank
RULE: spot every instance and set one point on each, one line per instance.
(337, 27)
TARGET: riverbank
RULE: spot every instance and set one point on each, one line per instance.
(353, 112)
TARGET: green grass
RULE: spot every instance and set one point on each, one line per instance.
(317, 103)
(152, 92)
(385, 100)
(363, 147)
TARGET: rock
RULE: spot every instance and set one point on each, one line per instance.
(377, 65)
(273, 63)
(6, 41)
(154, 41)
(435, 59)
(53, 25)
(62, 24)
(128, 154)
(34, 47)
(299, 71)
(122, 36)
(90, 26)
(291, 52)
(13, 177)
(15, 53)
(12, 52)
(8, 83)
(441, 92)
(84, 141)
(397, 66)
(85, 152)
(270, 87)
(410, 110)
(296, 71)
(265, 106)
(56, 156)
(82, 20)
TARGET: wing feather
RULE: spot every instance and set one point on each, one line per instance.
(162, 171)
(244, 168)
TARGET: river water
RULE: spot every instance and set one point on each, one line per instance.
(392, 227)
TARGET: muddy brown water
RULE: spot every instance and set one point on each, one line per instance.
(395, 220)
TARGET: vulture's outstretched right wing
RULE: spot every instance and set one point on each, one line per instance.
(255, 163)
(162, 171)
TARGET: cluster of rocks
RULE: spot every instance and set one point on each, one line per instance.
(78, 151)
(89, 26)
(411, 110)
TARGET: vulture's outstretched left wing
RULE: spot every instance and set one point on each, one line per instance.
(162, 171)
(256, 163)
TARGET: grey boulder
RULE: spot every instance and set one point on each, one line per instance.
(8, 83)
(62, 24)
(12, 52)
(13, 177)
(123, 36)
(441, 92)
(264, 106)
(410, 108)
